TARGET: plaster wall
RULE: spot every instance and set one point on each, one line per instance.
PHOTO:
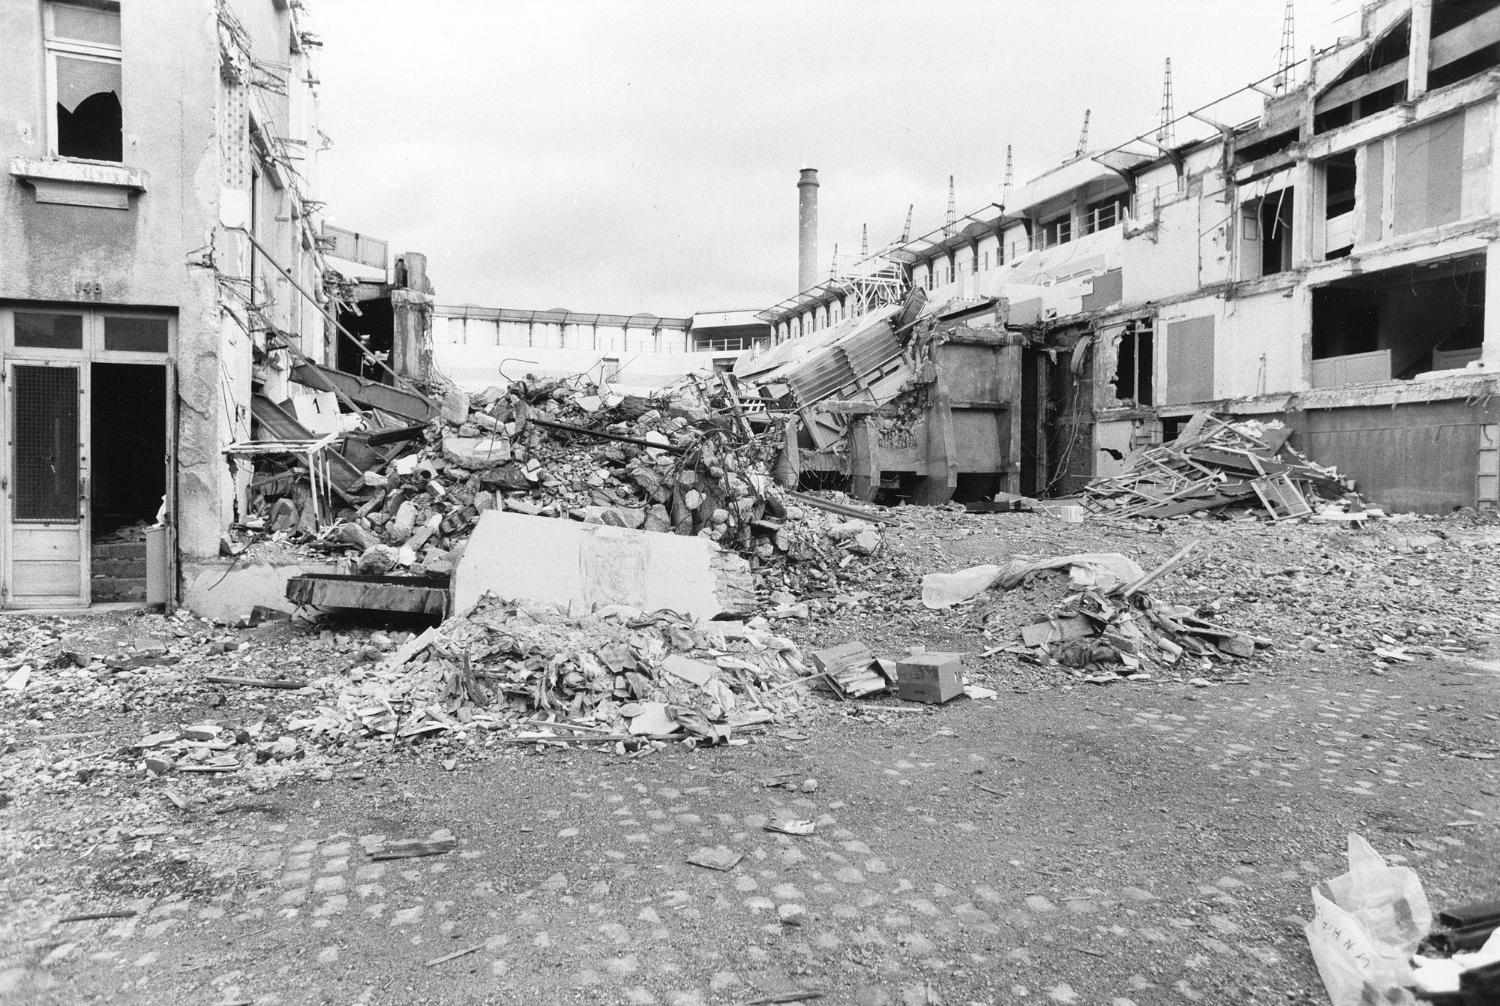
(1260, 344)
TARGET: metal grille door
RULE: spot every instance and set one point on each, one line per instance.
(46, 444)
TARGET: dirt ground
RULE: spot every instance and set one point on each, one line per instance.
(1142, 842)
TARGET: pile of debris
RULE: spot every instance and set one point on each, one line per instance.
(1212, 466)
(683, 461)
(615, 676)
(1107, 628)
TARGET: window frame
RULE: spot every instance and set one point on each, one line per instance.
(1117, 207)
(92, 350)
(53, 46)
(1053, 230)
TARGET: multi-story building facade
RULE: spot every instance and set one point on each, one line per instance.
(1327, 264)
(160, 159)
(479, 346)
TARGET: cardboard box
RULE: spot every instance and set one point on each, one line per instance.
(930, 677)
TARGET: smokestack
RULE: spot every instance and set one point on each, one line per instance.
(807, 229)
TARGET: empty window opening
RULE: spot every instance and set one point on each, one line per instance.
(375, 327)
(1057, 231)
(84, 78)
(1103, 215)
(1341, 179)
(1134, 363)
(1463, 45)
(1265, 148)
(1266, 234)
(1398, 323)
(1374, 82)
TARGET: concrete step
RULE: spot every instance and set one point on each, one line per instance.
(118, 588)
(129, 568)
(120, 550)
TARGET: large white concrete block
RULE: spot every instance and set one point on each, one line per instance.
(515, 556)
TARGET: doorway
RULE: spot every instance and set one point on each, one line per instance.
(128, 474)
(87, 405)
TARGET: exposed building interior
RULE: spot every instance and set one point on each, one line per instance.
(1399, 323)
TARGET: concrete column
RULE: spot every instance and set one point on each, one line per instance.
(1421, 49)
(1490, 353)
(411, 312)
(807, 229)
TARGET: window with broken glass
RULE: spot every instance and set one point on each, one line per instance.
(84, 80)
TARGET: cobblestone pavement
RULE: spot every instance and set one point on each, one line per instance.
(1137, 844)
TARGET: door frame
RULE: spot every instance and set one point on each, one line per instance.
(91, 352)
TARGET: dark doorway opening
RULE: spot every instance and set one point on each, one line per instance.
(128, 445)
(127, 454)
(375, 327)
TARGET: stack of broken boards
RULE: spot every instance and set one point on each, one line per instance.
(1214, 465)
(615, 676)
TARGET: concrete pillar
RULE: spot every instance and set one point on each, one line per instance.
(807, 229)
(1421, 49)
(1490, 353)
(411, 311)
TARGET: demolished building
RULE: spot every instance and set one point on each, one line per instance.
(1326, 263)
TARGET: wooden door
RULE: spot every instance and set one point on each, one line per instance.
(46, 525)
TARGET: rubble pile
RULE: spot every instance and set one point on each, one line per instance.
(676, 462)
(1214, 466)
(613, 676)
(1105, 637)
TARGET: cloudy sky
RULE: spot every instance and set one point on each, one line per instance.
(642, 155)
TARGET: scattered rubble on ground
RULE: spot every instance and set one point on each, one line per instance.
(618, 677)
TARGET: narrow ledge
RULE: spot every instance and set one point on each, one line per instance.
(79, 183)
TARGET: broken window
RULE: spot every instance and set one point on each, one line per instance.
(1134, 363)
(1341, 180)
(1057, 231)
(1103, 215)
(1398, 323)
(83, 76)
(1266, 235)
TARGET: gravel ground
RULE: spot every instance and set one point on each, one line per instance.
(1142, 842)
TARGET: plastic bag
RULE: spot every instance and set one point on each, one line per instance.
(1365, 926)
(944, 590)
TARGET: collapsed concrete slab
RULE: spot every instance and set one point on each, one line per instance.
(515, 556)
(229, 593)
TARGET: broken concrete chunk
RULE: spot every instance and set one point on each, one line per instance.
(718, 858)
(477, 453)
(686, 669)
(653, 721)
(541, 559)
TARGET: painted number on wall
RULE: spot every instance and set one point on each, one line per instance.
(88, 289)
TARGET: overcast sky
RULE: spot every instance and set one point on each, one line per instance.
(642, 155)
